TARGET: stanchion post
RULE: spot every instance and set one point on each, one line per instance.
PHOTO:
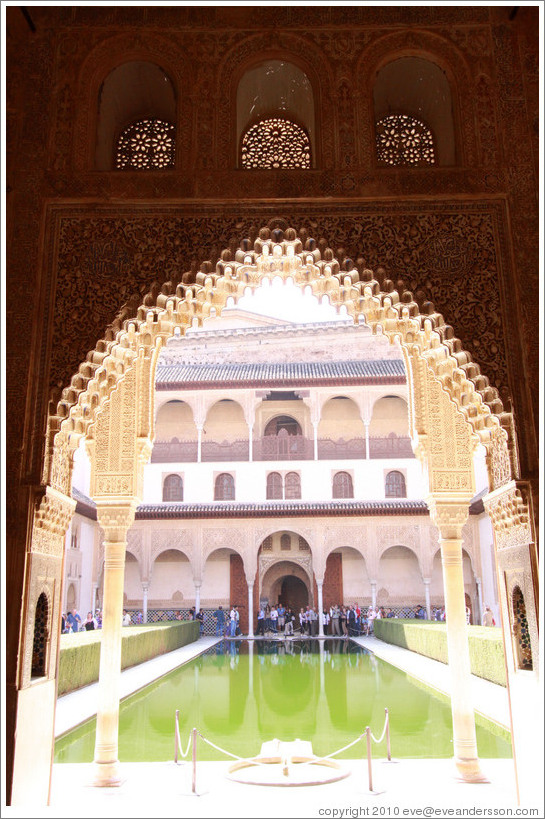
(194, 755)
(388, 749)
(369, 766)
(176, 737)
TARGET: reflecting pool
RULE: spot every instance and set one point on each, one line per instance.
(242, 693)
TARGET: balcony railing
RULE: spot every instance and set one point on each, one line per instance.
(329, 450)
(390, 446)
(174, 451)
(282, 448)
(226, 451)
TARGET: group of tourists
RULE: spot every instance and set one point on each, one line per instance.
(71, 623)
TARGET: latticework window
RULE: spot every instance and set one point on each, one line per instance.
(395, 485)
(267, 544)
(303, 545)
(293, 486)
(342, 485)
(146, 145)
(285, 543)
(224, 488)
(274, 486)
(40, 637)
(173, 488)
(275, 143)
(404, 140)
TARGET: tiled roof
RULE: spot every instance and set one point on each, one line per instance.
(84, 506)
(232, 509)
(387, 371)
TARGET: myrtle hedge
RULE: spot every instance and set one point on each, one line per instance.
(430, 639)
(79, 657)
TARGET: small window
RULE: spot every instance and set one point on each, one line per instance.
(173, 488)
(395, 485)
(40, 637)
(342, 485)
(146, 145)
(224, 487)
(293, 486)
(303, 545)
(274, 486)
(275, 143)
(267, 544)
(285, 543)
(404, 140)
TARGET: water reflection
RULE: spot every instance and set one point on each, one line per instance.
(240, 694)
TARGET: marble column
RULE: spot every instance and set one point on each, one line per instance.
(315, 427)
(199, 443)
(374, 593)
(366, 440)
(115, 522)
(449, 517)
(320, 585)
(427, 582)
(250, 609)
(477, 620)
(145, 587)
(197, 596)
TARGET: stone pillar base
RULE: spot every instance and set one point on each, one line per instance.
(107, 775)
(469, 771)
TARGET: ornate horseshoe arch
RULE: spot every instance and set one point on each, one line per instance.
(452, 410)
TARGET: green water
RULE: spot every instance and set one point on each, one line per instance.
(239, 696)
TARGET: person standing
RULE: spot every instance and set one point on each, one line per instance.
(74, 621)
(335, 613)
(219, 615)
(89, 624)
(281, 617)
(488, 617)
(274, 619)
(261, 621)
(232, 622)
(371, 615)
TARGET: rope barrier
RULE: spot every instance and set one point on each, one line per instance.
(192, 742)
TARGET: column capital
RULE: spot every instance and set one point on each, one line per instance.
(449, 514)
(116, 518)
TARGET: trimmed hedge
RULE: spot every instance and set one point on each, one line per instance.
(430, 639)
(79, 657)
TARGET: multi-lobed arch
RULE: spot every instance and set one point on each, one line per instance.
(133, 343)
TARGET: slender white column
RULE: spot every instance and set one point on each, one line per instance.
(197, 596)
(427, 582)
(366, 440)
(449, 517)
(250, 609)
(145, 587)
(199, 443)
(479, 618)
(320, 585)
(250, 442)
(94, 600)
(315, 425)
(374, 593)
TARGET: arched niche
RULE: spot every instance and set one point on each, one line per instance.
(133, 91)
(275, 88)
(420, 89)
(171, 575)
(175, 420)
(132, 584)
(341, 414)
(354, 577)
(521, 632)
(41, 637)
(399, 578)
(225, 432)
(390, 416)
(216, 587)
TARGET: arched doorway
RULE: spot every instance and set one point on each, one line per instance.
(287, 582)
(293, 593)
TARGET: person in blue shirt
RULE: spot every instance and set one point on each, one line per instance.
(74, 620)
(219, 614)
